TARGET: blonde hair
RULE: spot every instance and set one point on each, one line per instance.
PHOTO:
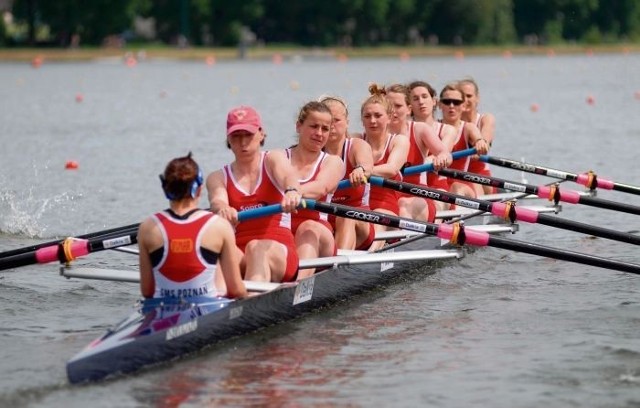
(378, 95)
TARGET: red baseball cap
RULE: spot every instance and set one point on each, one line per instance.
(243, 118)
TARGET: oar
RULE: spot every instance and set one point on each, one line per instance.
(72, 248)
(506, 210)
(97, 234)
(553, 192)
(420, 168)
(458, 235)
(589, 180)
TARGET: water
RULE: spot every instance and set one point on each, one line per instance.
(495, 329)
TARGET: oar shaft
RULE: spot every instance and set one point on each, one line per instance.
(505, 210)
(65, 252)
(466, 236)
(584, 179)
(552, 193)
(91, 235)
(563, 255)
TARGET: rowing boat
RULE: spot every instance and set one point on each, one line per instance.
(160, 330)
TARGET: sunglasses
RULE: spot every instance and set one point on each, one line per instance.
(448, 102)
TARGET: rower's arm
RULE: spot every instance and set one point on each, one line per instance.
(219, 198)
(488, 127)
(361, 155)
(230, 260)
(474, 138)
(147, 284)
(326, 181)
(397, 158)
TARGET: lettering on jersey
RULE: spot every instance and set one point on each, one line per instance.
(235, 312)
(304, 290)
(477, 179)
(253, 206)
(412, 226)
(181, 330)
(184, 292)
(466, 203)
(385, 266)
(181, 245)
(425, 193)
(515, 187)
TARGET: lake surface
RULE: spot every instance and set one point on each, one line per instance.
(497, 328)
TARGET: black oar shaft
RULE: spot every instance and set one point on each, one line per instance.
(65, 252)
(586, 179)
(102, 234)
(498, 209)
(568, 196)
(563, 255)
(446, 231)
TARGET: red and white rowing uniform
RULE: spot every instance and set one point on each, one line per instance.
(380, 197)
(433, 179)
(478, 166)
(352, 196)
(303, 215)
(182, 268)
(462, 163)
(274, 227)
(416, 157)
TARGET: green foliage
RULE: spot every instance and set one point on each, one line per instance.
(328, 23)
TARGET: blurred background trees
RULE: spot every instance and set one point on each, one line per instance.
(65, 23)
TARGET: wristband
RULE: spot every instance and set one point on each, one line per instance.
(359, 166)
(290, 189)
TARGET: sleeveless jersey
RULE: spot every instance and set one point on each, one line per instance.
(303, 214)
(433, 179)
(380, 197)
(182, 270)
(351, 196)
(477, 166)
(276, 227)
(462, 163)
(415, 157)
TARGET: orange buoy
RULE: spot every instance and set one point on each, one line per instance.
(276, 59)
(404, 56)
(71, 165)
(210, 60)
(130, 61)
(37, 61)
(459, 55)
(636, 95)
(342, 57)
(535, 107)
(507, 54)
(79, 98)
(591, 100)
(551, 53)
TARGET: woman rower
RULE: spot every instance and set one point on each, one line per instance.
(389, 153)
(318, 174)
(424, 145)
(423, 107)
(181, 246)
(468, 135)
(255, 179)
(356, 154)
(486, 122)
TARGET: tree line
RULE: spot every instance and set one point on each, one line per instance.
(320, 23)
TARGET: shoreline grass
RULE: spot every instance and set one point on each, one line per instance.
(340, 53)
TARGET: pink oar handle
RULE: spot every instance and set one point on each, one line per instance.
(602, 183)
(522, 214)
(478, 238)
(50, 253)
(568, 196)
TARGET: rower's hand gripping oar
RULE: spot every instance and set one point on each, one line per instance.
(458, 235)
(507, 210)
(420, 168)
(553, 192)
(72, 248)
(589, 179)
